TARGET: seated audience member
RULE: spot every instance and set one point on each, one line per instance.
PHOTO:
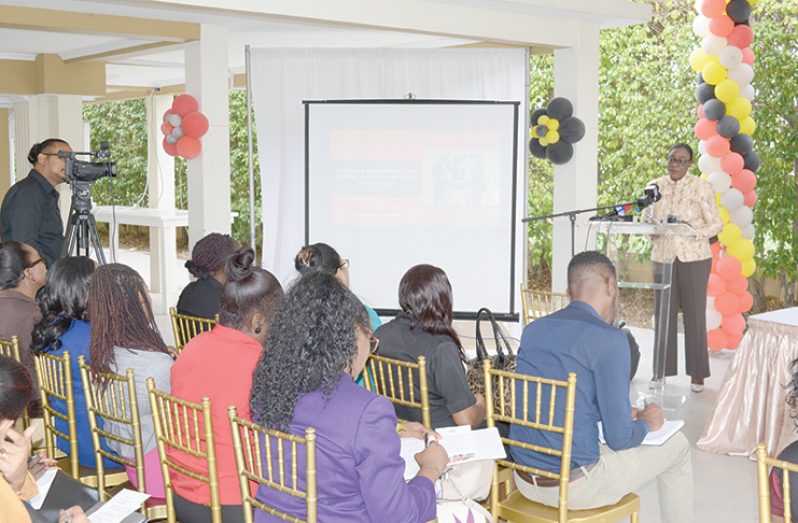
(16, 482)
(319, 340)
(219, 364)
(424, 328)
(64, 327)
(124, 336)
(22, 274)
(581, 339)
(201, 297)
(790, 453)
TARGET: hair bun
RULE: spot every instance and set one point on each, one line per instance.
(239, 265)
(33, 154)
(196, 270)
(306, 258)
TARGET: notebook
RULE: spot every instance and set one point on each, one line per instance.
(658, 437)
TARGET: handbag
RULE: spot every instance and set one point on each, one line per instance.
(461, 486)
(503, 360)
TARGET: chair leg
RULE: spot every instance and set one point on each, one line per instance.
(634, 518)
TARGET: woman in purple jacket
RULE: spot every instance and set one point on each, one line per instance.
(319, 340)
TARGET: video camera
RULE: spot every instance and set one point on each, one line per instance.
(91, 171)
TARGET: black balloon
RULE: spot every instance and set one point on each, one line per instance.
(752, 161)
(560, 152)
(738, 10)
(537, 113)
(714, 109)
(541, 130)
(704, 93)
(699, 78)
(742, 144)
(560, 109)
(728, 126)
(537, 150)
(571, 130)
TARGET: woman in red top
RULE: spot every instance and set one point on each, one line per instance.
(219, 364)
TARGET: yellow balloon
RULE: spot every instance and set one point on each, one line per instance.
(544, 142)
(717, 202)
(740, 108)
(699, 58)
(727, 90)
(543, 119)
(552, 136)
(749, 267)
(742, 249)
(724, 215)
(553, 124)
(713, 73)
(748, 126)
(730, 234)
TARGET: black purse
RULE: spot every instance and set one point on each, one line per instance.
(504, 359)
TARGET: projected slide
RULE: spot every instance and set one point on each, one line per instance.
(391, 185)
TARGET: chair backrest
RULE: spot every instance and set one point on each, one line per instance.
(397, 380)
(186, 327)
(111, 397)
(536, 418)
(182, 425)
(55, 382)
(10, 348)
(763, 483)
(253, 445)
(537, 303)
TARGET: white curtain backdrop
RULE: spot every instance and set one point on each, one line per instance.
(283, 78)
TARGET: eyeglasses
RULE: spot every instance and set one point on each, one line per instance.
(678, 161)
(344, 264)
(374, 342)
(35, 263)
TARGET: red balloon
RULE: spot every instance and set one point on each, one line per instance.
(732, 342)
(166, 114)
(716, 285)
(721, 26)
(727, 303)
(732, 163)
(746, 301)
(166, 128)
(700, 111)
(733, 324)
(729, 268)
(715, 248)
(713, 8)
(718, 146)
(195, 124)
(184, 104)
(749, 199)
(717, 339)
(170, 148)
(189, 147)
(740, 36)
(706, 129)
(744, 181)
(737, 285)
(748, 56)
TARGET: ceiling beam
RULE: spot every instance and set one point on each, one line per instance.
(48, 74)
(126, 52)
(30, 18)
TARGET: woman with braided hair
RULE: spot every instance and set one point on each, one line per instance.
(124, 336)
(201, 297)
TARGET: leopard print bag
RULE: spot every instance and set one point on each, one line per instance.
(504, 360)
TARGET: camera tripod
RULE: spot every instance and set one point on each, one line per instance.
(82, 227)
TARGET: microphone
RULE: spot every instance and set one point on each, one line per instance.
(651, 195)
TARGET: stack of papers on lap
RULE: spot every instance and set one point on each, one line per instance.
(461, 443)
(656, 438)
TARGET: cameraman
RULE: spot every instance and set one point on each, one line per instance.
(30, 213)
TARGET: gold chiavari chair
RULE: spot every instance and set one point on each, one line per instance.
(402, 382)
(251, 444)
(112, 398)
(10, 348)
(180, 425)
(186, 327)
(763, 483)
(536, 304)
(515, 507)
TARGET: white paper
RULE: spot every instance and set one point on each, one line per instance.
(119, 507)
(43, 483)
(462, 444)
(411, 447)
(656, 438)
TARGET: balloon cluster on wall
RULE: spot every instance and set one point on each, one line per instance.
(183, 126)
(727, 157)
(555, 130)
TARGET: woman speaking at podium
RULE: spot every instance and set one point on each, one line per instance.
(686, 199)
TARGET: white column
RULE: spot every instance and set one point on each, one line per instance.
(209, 173)
(161, 182)
(576, 77)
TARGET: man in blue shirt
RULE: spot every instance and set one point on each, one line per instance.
(581, 339)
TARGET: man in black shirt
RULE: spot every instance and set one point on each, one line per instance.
(29, 212)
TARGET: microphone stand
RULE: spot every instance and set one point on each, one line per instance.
(572, 217)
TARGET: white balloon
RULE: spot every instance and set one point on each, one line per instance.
(742, 74)
(711, 302)
(720, 181)
(716, 44)
(748, 231)
(732, 200)
(697, 6)
(702, 147)
(175, 120)
(742, 217)
(713, 319)
(701, 26)
(748, 92)
(730, 56)
(709, 164)
(177, 132)
(171, 139)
